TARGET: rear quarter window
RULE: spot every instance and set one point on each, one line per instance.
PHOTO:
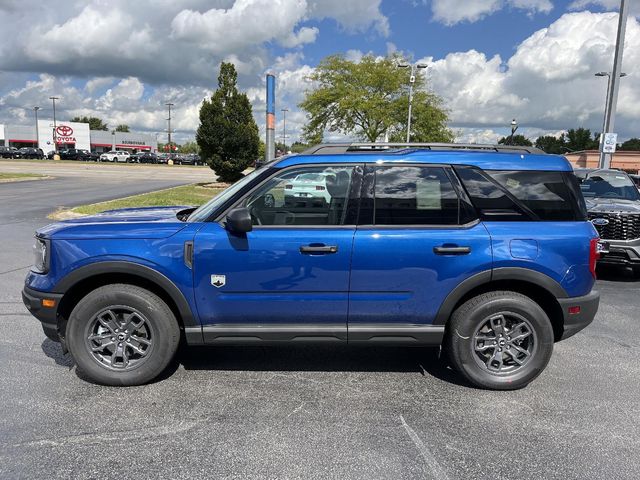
(550, 196)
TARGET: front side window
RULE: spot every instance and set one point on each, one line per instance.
(414, 195)
(305, 196)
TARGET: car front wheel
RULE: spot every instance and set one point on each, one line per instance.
(500, 340)
(122, 335)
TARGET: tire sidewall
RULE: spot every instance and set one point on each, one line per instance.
(162, 323)
(465, 327)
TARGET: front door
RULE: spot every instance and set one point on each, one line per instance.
(287, 279)
(418, 241)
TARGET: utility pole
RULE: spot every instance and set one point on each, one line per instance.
(606, 99)
(612, 100)
(169, 126)
(284, 128)
(35, 110)
(55, 126)
(412, 80)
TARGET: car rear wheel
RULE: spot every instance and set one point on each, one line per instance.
(122, 335)
(500, 340)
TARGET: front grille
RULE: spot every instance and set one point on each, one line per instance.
(622, 226)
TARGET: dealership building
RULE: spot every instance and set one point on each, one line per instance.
(74, 135)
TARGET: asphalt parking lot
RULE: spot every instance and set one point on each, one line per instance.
(294, 412)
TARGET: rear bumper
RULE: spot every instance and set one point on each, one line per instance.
(575, 322)
(48, 317)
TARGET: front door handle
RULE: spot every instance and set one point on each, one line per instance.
(452, 250)
(319, 249)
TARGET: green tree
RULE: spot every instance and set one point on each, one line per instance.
(519, 140)
(299, 147)
(95, 123)
(228, 135)
(580, 139)
(551, 144)
(631, 144)
(368, 99)
(189, 147)
(122, 128)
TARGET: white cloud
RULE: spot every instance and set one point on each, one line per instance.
(352, 15)
(548, 83)
(474, 10)
(246, 22)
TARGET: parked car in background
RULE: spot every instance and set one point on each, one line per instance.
(74, 154)
(15, 153)
(162, 158)
(309, 187)
(50, 154)
(190, 159)
(119, 156)
(613, 206)
(147, 157)
(31, 152)
(484, 251)
(5, 152)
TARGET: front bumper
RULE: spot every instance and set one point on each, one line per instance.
(574, 322)
(48, 316)
(621, 252)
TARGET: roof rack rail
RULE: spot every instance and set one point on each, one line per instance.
(357, 147)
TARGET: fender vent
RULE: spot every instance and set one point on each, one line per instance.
(188, 254)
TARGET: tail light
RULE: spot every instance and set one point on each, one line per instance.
(593, 255)
(288, 187)
(319, 187)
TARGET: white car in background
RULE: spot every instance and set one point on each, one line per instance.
(120, 156)
(308, 185)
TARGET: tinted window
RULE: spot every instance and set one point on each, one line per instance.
(414, 196)
(545, 193)
(306, 196)
(548, 195)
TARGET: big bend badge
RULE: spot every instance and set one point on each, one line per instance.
(218, 280)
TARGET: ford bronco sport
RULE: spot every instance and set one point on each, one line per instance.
(483, 250)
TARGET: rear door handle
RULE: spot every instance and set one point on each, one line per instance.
(452, 250)
(319, 249)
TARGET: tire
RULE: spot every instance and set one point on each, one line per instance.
(479, 322)
(153, 331)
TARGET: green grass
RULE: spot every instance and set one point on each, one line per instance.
(7, 177)
(195, 194)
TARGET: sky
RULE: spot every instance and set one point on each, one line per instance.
(490, 60)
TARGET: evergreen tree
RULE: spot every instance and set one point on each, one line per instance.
(228, 134)
(519, 140)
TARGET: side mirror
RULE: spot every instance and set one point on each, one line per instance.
(239, 221)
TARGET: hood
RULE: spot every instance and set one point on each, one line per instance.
(612, 205)
(148, 222)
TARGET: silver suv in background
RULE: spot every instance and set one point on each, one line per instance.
(613, 205)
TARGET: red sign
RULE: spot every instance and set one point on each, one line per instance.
(64, 134)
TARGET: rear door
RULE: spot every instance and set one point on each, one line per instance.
(418, 238)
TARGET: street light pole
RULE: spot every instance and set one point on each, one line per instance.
(612, 98)
(55, 126)
(169, 125)
(606, 105)
(284, 128)
(35, 110)
(412, 80)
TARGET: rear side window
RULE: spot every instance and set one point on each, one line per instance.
(408, 195)
(549, 196)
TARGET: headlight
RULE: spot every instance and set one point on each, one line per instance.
(41, 255)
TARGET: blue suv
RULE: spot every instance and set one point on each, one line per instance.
(483, 250)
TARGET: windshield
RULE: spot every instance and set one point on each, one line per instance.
(204, 211)
(602, 184)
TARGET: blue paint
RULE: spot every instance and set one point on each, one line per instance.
(271, 94)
